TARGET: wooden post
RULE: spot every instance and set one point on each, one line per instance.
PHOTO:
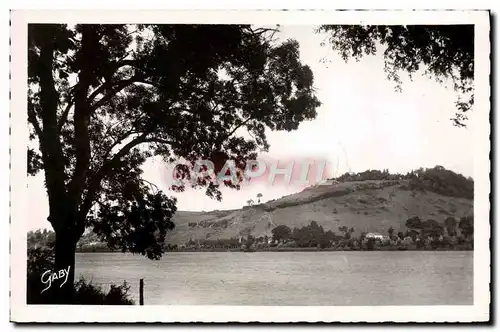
(141, 292)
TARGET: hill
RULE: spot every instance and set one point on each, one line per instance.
(370, 201)
(366, 206)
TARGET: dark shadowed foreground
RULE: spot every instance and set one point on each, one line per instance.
(291, 278)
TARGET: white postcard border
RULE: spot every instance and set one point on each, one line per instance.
(20, 312)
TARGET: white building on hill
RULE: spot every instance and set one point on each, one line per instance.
(375, 236)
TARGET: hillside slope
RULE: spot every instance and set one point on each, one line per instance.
(367, 206)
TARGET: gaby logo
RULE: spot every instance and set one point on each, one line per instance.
(48, 277)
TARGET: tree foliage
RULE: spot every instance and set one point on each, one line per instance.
(436, 179)
(120, 94)
(414, 223)
(432, 228)
(41, 238)
(369, 175)
(281, 233)
(312, 235)
(466, 226)
(390, 231)
(442, 181)
(347, 232)
(443, 51)
(451, 225)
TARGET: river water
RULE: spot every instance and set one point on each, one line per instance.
(289, 278)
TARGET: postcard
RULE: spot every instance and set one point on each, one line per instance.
(250, 166)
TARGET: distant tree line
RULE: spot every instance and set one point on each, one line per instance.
(312, 235)
(215, 243)
(370, 175)
(46, 238)
(420, 234)
(437, 179)
(249, 241)
(41, 238)
(451, 234)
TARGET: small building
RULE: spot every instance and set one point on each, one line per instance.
(386, 239)
(375, 236)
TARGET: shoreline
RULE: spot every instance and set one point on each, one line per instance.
(284, 250)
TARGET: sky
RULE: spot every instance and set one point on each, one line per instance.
(363, 123)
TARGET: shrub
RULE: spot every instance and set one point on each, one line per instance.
(442, 181)
(370, 244)
(86, 293)
(40, 259)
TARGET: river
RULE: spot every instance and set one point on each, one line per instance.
(289, 278)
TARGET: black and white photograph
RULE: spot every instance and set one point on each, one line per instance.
(236, 166)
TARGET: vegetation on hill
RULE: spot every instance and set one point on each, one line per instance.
(370, 201)
(419, 235)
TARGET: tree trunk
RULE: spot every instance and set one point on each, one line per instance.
(65, 248)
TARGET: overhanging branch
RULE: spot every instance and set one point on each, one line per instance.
(114, 88)
(238, 127)
(110, 165)
(151, 185)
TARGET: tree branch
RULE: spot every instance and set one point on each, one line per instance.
(118, 141)
(50, 144)
(122, 137)
(95, 183)
(32, 119)
(82, 115)
(120, 63)
(115, 87)
(126, 62)
(237, 127)
(108, 166)
(121, 84)
(152, 185)
(64, 116)
(158, 140)
(218, 143)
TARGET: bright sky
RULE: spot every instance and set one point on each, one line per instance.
(362, 124)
